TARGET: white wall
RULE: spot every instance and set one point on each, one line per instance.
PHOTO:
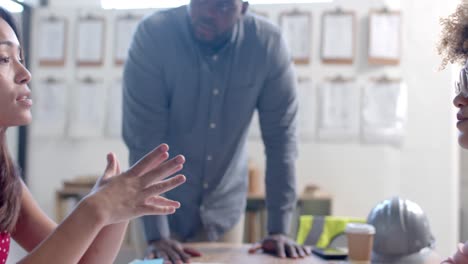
(425, 169)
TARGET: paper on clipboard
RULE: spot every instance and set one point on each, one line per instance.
(90, 41)
(114, 110)
(88, 110)
(338, 34)
(124, 32)
(50, 109)
(385, 36)
(296, 30)
(339, 111)
(52, 40)
(384, 112)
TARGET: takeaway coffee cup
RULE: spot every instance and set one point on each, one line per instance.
(360, 241)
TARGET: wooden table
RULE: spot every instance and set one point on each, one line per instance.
(231, 253)
(238, 254)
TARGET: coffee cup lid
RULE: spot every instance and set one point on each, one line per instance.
(360, 228)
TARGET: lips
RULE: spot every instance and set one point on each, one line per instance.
(460, 117)
(25, 99)
(204, 28)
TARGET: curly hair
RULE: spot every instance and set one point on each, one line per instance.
(453, 44)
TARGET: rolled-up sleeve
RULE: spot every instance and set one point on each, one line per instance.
(278, 107)
(145, 108)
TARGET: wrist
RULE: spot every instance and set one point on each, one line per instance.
(94, 210)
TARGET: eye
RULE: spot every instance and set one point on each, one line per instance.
(4, 60)
(225, 7)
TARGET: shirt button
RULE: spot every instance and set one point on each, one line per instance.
(205, 185)
(209, 158)
(213, 125)
(215, 57)
(215, 91)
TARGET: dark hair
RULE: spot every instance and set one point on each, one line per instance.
(10, 184)
(453, 43)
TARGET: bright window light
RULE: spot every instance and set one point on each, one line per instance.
(125, 4)
(11, 6)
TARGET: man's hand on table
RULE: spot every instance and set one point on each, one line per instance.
(171, 251)
(281, 246)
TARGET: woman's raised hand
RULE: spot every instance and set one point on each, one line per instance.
(136, 192)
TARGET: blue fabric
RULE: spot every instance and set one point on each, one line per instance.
(148, 261)
(201, 104)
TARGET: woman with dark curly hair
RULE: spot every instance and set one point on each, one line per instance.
(94, 231)
(453, 47)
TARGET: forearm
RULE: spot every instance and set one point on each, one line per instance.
(72, 237)
(106, 245)
(280, 196)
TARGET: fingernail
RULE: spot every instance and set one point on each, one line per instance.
(164, 147)
(180, 159)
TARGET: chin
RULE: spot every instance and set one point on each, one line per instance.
(463, 140)
(23, 121)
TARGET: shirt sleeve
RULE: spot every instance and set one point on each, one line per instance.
(278, 109)
(145, 108)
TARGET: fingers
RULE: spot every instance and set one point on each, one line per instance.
(164, 170)
(173, 255)
(164, 186)
(290, 251)
(111, 166)
(192, 252)
(280, 250)
(256, 247)
(149, 209)
(117, 170)
(184, 258)
(150, 160)
(162, 201)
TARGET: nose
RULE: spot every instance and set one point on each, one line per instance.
(460, 101)
(23, 76)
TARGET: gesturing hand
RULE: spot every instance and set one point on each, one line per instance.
(136, 192)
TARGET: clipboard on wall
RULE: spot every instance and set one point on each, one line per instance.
(338, 37)
(338, 113)
(90, 41)
(384, 37)
(296, 27)
(50, 108)
(384, 111)
(88, 109)
(52, 42)
(124, 28)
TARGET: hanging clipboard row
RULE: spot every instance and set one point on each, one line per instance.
(296, 27)
(338, 43)
(90, 36)
(384, 37)
(52, 41)
(124, 28)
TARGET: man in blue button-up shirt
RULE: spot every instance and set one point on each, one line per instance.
(193, 79)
